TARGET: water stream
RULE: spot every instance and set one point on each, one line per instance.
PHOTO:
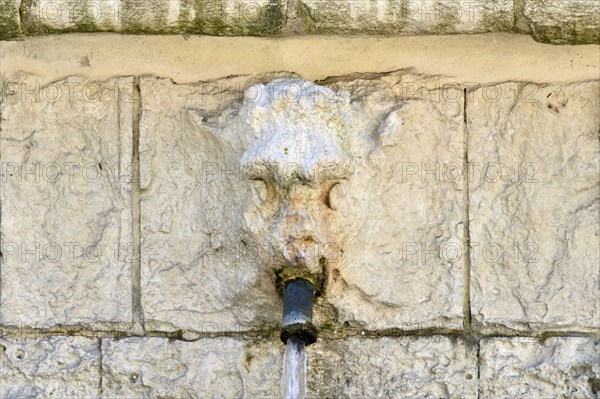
(293, 379)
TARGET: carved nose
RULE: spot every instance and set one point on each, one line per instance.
(297, 225)
(296, 222)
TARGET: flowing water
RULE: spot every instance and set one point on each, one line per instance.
(293, 379)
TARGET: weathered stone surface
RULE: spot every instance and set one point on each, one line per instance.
(66, 202)
(50, 367)
(210, 237)
(526, 368)
(10, 25)
(200, 267)
(402, 17)
(432, 367)
(208, 368)
(402, 262)
(551, 21)
(407, 367)
(212, 17)
(564, 21)
(185, 59)
(533, 201)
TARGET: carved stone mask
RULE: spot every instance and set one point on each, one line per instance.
(300, 153)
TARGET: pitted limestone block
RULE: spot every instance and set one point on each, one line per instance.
(526, 368)
(66, 172)
(207, 368)
(212, 17)
(402, 210)
(533, 201)
(404, 17)
(405, 367)
(10, 25)
(211, 237)
(46, 367)
(564, 21)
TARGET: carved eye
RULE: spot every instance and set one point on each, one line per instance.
(328, 194)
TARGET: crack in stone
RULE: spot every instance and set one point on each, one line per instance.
(136, 266)
(466, 233)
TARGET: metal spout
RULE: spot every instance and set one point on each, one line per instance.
(297, 311)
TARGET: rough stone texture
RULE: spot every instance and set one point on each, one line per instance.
(564, 21)
(210, 237)
(212, 17)
(401, 17)
(200, 268)
(10, 25)
(526, 368)
(432, 367)
(402, 263)
(208, 368)
(66, 202)
(534, 208)
(407, 367)
(50, 367)
(551, 21)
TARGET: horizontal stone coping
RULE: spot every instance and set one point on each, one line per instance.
(548, 21)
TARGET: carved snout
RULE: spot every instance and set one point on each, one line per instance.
(295, 234)
(300, 152)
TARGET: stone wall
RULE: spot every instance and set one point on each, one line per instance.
(548, 21)
(461, 256)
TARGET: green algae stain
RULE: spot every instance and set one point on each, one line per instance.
(343, 17)
(150, 16)
(222, 18)
(9, 20)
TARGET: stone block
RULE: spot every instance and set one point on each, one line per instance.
(404, 17)
(533, 206)
(561, 367)
(208, 17)
(407, 367)
(564, 21)
(67, 246)
(44, 367)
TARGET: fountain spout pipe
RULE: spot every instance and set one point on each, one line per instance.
(297, 311)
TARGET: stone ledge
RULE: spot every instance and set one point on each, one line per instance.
(549, 21)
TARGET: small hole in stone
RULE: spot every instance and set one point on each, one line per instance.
(346, 324)
(19, 354)
(335, 274)
(134, 377)
(468, 376)
(2, 348)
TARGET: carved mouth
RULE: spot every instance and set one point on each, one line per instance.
(302, 252)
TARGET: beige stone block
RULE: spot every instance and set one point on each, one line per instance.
(67, 243)
(533, 206)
